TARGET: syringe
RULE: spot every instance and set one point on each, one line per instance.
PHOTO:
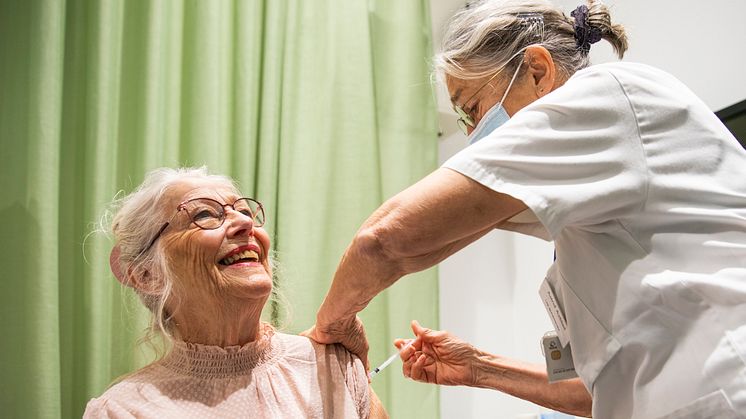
(391, 359)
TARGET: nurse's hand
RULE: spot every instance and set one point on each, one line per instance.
(438, 357)
(350, 333)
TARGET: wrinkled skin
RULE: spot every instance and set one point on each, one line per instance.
(213, 303)
(437, 357)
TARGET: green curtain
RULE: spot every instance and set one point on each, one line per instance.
(321, 109)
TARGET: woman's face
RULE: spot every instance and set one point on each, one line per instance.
(536, 77)
(478, 96)
(211, 266)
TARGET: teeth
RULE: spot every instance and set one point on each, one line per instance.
(246, 254)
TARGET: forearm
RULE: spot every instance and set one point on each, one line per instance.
(529, 382)
(368, 267)
(363, 272)
(410, 232)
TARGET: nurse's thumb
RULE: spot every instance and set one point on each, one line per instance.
(419, 330)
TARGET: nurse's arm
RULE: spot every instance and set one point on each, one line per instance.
(530, 382)
(414, 230)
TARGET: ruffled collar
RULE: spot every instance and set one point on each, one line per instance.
(209, 361)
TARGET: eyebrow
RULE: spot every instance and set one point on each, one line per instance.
(457, 95)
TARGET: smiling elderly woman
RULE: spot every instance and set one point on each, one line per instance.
(195, 252)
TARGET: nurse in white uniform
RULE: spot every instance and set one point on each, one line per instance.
(637, 182)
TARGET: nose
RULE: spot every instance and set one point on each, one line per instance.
(239, 224)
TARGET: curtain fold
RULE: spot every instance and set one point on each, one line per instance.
(320, 109)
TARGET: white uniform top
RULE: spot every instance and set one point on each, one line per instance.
(643, 190)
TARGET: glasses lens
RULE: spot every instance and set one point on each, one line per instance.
(205, 213)
(463, 126)
(251, 208)
(464, 119)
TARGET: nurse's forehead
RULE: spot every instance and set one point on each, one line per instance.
(458, 89)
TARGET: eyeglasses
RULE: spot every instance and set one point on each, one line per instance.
(465, 120)
(209, 214)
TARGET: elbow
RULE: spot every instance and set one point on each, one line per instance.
(378, 244)
(583, 409)
(581, 405)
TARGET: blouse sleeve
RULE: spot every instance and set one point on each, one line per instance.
(574, 157)
(105, 409)
(356, 379)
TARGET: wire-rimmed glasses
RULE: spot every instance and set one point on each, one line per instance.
(464, 119)
(209, 214)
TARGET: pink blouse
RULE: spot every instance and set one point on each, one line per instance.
(278, 376)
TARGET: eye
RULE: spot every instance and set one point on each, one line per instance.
(203, 215)
(472, 111)
(246, 212)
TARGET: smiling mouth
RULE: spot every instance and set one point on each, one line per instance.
(245, 256)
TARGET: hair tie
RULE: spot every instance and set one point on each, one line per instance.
(585, 34)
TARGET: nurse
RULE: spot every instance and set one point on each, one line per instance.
(639, 185)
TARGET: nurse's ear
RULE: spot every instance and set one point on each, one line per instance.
(541, 72)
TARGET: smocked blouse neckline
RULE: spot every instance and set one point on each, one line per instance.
(210, 361)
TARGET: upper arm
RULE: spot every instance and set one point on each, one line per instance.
(440, 211)
(377, 411)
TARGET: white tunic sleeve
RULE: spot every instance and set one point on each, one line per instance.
(574, 157)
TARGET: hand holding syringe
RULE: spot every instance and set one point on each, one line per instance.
(391, 359)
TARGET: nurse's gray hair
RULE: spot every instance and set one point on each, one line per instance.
(485, 35)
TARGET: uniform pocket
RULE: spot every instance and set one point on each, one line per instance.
(592, 344)
(713, 405)
(726, 367)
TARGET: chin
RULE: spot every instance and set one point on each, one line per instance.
(250, 284)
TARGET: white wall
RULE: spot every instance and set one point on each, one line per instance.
(488, 291)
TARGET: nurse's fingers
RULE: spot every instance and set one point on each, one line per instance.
(406, 368)
(407, 347)
(418, 369)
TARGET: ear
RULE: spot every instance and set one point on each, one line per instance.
(141, 280)
(116, 268)
(541, 70)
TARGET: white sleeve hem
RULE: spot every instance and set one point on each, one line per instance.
(534, 202)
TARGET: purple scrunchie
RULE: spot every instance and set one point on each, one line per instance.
(585, 34)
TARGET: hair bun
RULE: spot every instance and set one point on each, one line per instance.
(585, 33)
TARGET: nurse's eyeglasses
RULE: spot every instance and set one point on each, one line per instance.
(465, 120)
(209, 214)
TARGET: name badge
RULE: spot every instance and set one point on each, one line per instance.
(555, 311)
(560, 365)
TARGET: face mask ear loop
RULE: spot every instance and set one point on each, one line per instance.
(511, 83)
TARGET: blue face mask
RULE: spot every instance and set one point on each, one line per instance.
(492, 120)
(495, 117)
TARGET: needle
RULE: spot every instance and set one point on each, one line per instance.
(390, 360)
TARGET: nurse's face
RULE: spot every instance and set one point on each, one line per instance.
(536, 78)
(482, 94)
(211, 265)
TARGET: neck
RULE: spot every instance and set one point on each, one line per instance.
(227, 323)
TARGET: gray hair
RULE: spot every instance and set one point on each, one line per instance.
(486, 35)
(137, 219)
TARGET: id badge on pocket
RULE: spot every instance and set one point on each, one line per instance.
(560, 365)
(555, 311)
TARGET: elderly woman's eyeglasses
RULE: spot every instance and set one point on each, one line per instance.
(209, 214)
(465, 120)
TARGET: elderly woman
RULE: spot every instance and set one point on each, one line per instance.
(194, 250)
